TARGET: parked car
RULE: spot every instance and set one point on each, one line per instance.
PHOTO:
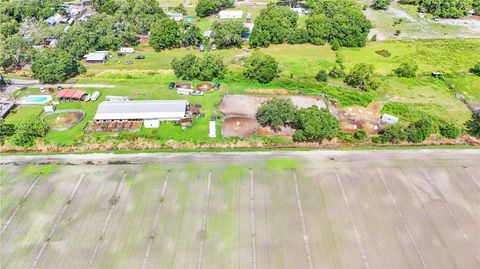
(128, 62)
(216, 86)
(87, 98)
(51, 90)
(121, 54)
(59, 88)
(42, 89)
(140, 57)
(171, 85)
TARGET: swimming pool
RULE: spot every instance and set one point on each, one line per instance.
(37, 99)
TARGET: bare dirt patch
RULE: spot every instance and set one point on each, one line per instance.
(355, 118)
(272, 91)
(64, 119)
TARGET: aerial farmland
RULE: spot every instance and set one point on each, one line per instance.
(386, 209)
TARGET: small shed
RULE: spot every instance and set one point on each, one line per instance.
(49, 109)
(212, 131)
(230, 14)
(153, 123)
(386, 118)
(127, 50)
(98, 57)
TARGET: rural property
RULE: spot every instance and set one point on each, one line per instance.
(326, 209)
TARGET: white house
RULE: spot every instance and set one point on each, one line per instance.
(386, 118)
(230, 14)
(151, 112)
(175, 16)
(127, 50)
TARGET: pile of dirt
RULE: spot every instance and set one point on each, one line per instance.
(355, 118)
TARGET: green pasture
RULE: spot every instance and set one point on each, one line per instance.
(457, 55)
(149, 79)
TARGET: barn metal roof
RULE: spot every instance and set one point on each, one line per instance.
(142, 110)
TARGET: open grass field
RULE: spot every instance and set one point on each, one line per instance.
(388, 209)
(149, 79)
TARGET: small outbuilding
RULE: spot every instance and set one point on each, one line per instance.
(212, 131)
(230, 14)
(175, 16)
(127, 50)
(386, 118)
(98, 57)
(49, 109)
(75, 95)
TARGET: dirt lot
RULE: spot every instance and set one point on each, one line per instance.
(247, 105)
(343, 209)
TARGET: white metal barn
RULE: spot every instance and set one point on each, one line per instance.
(230, 14)
(151, 112)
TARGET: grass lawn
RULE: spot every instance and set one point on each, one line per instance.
(430, 55)
(425, 94)
(23, 114)
(467, 86)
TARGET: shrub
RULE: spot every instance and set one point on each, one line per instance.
(26, 133)
(336, 72)
(476, 69)
(383, 53)
(394, 133)
(450, 131)
(361, 77)
(316, 124)
(321, 76)
(360, 135)
(380, 4)
(473, 125)
(406, 70)
(420, 130)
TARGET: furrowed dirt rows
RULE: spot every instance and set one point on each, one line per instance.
(262, 213)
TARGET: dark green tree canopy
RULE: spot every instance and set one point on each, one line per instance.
(446, 8)
(273, 26)
(51, 66)
(165, 34)
(207, 68)
(339, 24)
(205, 8)
(228, 34)
(316, 124)
(476, 69)
(277, 112)
(260, 67)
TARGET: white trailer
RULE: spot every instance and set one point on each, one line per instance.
(184, 91)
